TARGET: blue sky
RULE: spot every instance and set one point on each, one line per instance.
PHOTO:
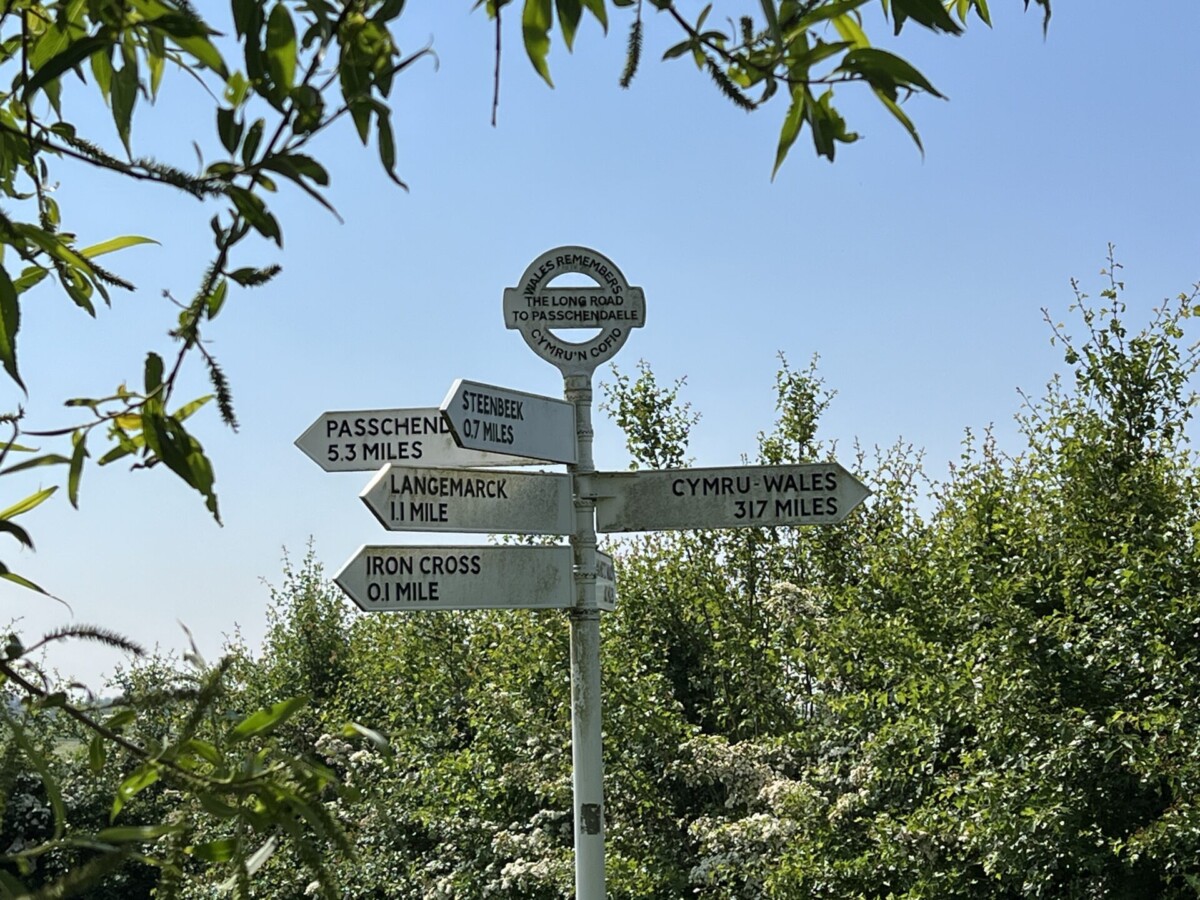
(919, 280)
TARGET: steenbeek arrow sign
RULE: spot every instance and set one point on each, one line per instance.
(406, 498)
(406, 579)
(733, 497)
(363, 440)
(499, 420)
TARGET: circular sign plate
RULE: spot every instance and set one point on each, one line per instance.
(539, 310)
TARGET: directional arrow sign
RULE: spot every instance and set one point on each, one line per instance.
(406, 579)
(468, 500)
(497, 420)
(736, 497)
(363, 440)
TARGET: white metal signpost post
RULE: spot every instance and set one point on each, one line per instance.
(422, 491)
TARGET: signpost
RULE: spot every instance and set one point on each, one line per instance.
(423, 490)
(363, 440)
(411, 579)
(467, 500)
(498, 420)
(811, 494)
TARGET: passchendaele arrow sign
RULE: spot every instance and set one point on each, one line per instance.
(408, 579)
(406, 498)
(365, 439)
(733, 497)
(499, 420)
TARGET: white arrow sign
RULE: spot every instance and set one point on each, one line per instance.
(365, 439)
(735, 497)
(499, 420)
(405, 579)
(468, 500)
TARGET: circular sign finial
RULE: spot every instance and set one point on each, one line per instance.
(537, 310)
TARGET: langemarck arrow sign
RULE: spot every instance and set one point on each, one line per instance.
(404, 498)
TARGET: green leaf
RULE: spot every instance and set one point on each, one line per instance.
(73, 55)
(49, 459)
(353, 729)
(930, 13)
(253, 139)
(387, 148)
(772, 16)
(181, 453)
(24, 582)
(10, 323)
(218, 851)
(124, 833)
(205, 750)
(229, 128)
(156, 59)
(894, 108)
(35, 499)
(97, 753)
(153, 377)
(102, 71)
(30, 276)
(76, 468)
(297, 166)
(119, 720)
(189, 408)
(16, 531)
(114, 244)
(281, 50)
(251, 207)
(849, 27)
(264, 720)
(569, 13)
(885, 71)
(536, 20)
(141, 778)
(791, 127)
(124, 97)
(598, 9)
(215, 806)
(827, 11)
(204, 52)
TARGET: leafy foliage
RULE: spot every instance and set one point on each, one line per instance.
(801, 51)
